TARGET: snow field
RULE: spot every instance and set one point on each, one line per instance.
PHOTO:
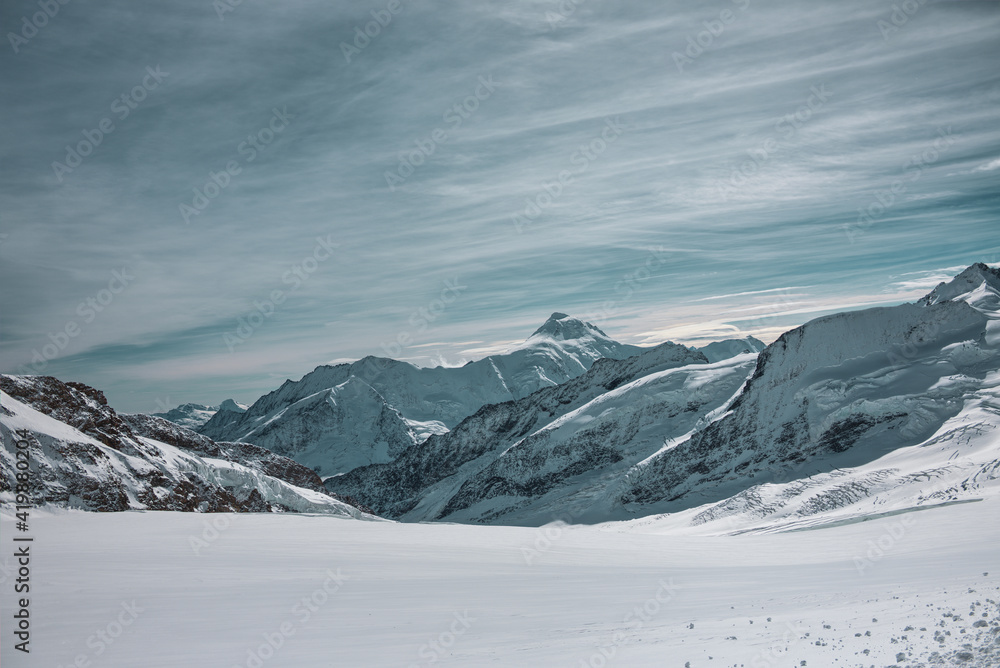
(310, 590)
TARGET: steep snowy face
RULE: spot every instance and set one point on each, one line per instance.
(190, 416)
(561, 327)
(978, 285)
(572, 462)
(421, 483)
(839, 394)
(561, 349)
(232, 406)
(340, 417)
(221, 424)
(335, 430)
(84, 455)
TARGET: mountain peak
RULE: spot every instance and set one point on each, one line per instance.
(964, 283)
(563, 327)
(232, 406)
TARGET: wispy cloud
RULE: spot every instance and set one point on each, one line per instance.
(736, 167)
(745, 294)
(989, 166)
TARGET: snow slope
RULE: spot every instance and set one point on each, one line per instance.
(721, 350)
(299, 591)
(574, 458)
(421, 482)
(881, 409)
(340, 417)
(84, 455)
(193, 416)
(190, 416)
(852, 414)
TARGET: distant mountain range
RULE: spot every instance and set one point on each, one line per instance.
(849, 409)
(193, 416)
(337, 418)
(851, 414)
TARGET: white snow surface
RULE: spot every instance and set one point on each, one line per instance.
(332, 592)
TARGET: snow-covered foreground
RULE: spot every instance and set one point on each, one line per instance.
(165, 589)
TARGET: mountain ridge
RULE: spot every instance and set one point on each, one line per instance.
(817, 400)
(317, 418)
(846, 415)
(85, 455)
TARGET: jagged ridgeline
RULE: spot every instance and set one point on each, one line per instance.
(84, 455)
(886, 406)
(849, 414)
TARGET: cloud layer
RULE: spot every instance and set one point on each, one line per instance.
(276, 188)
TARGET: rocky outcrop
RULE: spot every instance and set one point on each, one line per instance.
(84, 455)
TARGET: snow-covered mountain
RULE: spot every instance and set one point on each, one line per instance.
(189, 416)
(194, 416)
(337, 418)
(843, 412)
(422, 481)
(847, 416)
(232, 406)
(895, 405)
(83, 454)
(723, 350)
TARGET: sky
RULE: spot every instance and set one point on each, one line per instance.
(201, 199)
